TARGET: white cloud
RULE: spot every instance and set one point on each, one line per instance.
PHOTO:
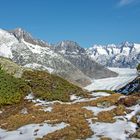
(126, 2)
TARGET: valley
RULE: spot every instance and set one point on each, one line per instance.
(125, 75)
(59, 92)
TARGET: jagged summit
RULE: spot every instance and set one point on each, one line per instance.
(124, 55)
(20, 34)
(66, 59)
(126, 44)
(69, 47)
(78, 57)
(26, 51)
(68, 42)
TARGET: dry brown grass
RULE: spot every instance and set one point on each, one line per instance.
(105, 138)
(130, 100)
(108, 116)
(112, 99)
(76, 117)
(12, 119)
(73, 114)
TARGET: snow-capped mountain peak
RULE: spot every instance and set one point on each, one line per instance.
(77, 56)
(69, 47)
(21, 34)
(126, 44)
(137, 47)
(123, 55)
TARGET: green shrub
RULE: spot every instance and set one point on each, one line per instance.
(51, 87)
(12, 89)
(107, 91)
(138, 67)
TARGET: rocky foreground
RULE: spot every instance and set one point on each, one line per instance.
(102, 116)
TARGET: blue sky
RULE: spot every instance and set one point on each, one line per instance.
(87, 22)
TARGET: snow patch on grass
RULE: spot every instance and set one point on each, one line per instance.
(136, 109)
(97, 110)
(30, 132)
(74, 97)
(48, 109)
(100, 94)
(120, 130)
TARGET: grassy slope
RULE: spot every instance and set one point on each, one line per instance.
(51, 87)
(138, 67)
(106, 91)
(12, 89)
(42, 84)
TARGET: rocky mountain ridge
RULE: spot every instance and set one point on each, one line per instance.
(72, 52)
(37, 57)
(124, 55)
(20, 34)
(22, 48)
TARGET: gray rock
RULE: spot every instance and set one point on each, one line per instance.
(24, 111)
(103, 104)
(137, 134)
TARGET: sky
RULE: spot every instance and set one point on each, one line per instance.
(87, 22)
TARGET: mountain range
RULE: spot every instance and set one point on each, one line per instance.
(75, 65)
(124, 55)
(67, 58)
(36, 102)
(72, 52)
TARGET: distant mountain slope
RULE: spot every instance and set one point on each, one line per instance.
(126, 75)
(77, 56)
(13, 46)
(123, 55)
(75, 65)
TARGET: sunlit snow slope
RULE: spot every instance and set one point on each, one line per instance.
(125, 76)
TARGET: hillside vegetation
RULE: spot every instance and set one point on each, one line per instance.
(138, 67)
(12, 89)
(42, 84)
(51, 87)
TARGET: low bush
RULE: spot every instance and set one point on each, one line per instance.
(51, 87)
(12, 89)
(138, 67)
(107, 91)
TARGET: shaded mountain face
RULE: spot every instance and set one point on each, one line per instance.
(125, 55)
(72, 52)
(131, 88)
